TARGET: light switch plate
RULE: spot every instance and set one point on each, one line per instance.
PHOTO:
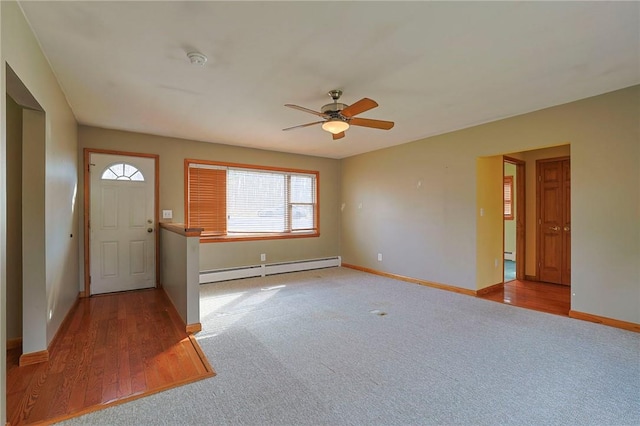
(167, 214)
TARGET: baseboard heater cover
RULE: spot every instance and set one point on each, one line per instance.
(227, 274)
(230, 274)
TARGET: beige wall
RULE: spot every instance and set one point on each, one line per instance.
(21, 51)
(14, 219)
(172, 153)
(34, 274)
(489, 221)
(429, 231)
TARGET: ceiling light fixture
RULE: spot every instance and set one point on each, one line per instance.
(335, 126)
(197, 58)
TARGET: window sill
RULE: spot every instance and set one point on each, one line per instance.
(255, 237)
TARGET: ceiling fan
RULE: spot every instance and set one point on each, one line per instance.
(337, 117)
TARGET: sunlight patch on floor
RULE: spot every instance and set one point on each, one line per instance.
(211, 304)
(231, 307)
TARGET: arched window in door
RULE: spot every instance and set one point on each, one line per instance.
(122, 171)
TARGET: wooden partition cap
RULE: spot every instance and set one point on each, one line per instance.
(180, 228)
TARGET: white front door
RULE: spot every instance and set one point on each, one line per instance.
(121, 225)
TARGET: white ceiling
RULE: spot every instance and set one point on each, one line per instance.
(433, 67)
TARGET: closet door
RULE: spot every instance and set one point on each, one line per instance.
(554, 221)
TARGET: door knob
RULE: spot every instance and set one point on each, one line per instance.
(566, 228)
(554, 228)
(149, 230)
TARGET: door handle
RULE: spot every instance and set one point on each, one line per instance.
(566, 228)
(149, 230)
(554, 228)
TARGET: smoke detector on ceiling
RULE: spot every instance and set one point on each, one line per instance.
(197, 58)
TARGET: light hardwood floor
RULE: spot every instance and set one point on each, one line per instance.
(111, 349)
(545, 297)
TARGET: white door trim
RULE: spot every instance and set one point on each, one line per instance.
(87, 216)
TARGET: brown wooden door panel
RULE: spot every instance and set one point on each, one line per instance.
(551, 199)
(554, 222)
(551, 260)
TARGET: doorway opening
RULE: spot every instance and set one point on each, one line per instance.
(531, 288)
(25, 181)
(513, 218)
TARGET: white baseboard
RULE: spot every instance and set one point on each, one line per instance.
(226, 274)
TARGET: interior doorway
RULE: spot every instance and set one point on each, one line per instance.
(514, 219)
(25, 323)
(530, 289)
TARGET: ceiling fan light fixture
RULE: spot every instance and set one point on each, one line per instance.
(335, 126)
(338, 117)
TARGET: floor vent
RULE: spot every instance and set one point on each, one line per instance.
(227, 274)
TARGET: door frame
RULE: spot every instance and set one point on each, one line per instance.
(87, 212)
(521, 217)
(539, 210)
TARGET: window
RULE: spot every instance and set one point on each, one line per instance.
(233, 201)
(508, 197)
(122, 171)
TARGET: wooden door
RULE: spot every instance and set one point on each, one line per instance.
(554, 221)
(122, 255)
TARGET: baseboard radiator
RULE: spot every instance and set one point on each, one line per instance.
(227, 274)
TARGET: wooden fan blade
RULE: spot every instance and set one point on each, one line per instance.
(376, 124)
(310, 111)
(364, 104)
(338, 136)
(303, 125)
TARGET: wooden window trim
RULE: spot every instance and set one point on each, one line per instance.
(208, 238)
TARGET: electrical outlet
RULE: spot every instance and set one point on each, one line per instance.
(379, 257)
(263, 257)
